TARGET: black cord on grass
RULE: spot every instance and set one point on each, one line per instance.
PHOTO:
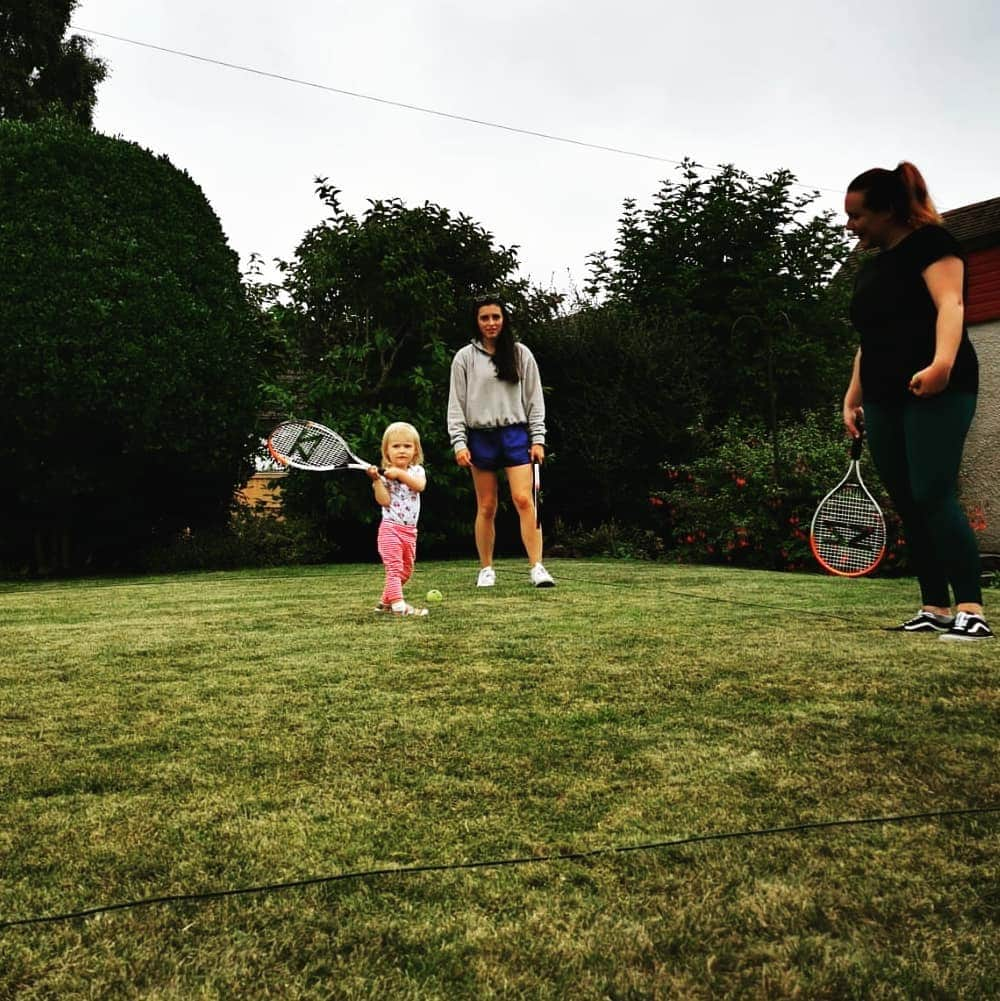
(176, 898)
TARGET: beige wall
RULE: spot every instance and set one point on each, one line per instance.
(981, 462)
(262, 491)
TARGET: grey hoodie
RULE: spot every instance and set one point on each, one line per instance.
(478, 399)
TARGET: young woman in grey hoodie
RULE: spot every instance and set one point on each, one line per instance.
(496, 420)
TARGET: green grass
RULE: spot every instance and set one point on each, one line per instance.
(183, 734)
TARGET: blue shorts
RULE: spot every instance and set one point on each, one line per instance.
(500, 448)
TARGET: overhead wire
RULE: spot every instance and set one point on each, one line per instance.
(421, 109)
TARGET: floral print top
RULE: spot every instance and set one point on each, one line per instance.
(404, 503)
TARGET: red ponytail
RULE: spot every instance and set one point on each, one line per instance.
(920, 208)
(902, 191)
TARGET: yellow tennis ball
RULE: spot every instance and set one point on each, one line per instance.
(434, 595)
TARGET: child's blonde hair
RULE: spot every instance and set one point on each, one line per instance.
(400, 429)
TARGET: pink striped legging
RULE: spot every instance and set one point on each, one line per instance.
(397, 545)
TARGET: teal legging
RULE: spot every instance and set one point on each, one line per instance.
(917, 449)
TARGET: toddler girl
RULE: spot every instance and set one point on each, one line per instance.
(398, 490)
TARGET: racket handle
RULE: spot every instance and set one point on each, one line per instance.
(536, 483)
(858, 443)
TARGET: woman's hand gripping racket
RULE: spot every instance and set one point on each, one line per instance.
(847, 534)
(308, 445)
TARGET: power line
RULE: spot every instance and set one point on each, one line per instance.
(404, 105)
(176, 898)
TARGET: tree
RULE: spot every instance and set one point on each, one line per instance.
(621, 393)
(731, 263)
(130, 376)
(715, 302)
(376, 307)
(39, 69)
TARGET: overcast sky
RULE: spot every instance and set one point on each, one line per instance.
(825, 90)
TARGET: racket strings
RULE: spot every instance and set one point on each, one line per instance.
(849, 532)
(310, 446)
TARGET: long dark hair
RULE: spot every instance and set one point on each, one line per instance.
(505, 358)
(902, 191)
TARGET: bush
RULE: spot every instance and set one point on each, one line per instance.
(619, 395)
(248, 540)
(622, 542)
(733, 505)
(130, 368)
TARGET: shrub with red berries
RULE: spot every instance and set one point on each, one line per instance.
(735, 505)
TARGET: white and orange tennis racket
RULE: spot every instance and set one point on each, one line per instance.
(312, 446)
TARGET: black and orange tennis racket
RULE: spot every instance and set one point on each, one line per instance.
(847, 535)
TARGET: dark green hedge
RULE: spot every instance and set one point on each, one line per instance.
(129, 376)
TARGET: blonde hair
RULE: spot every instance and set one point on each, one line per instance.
(400, 429)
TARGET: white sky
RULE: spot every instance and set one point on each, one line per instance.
(825, 90)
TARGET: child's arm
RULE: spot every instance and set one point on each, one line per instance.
(379, 487)
(415, 480)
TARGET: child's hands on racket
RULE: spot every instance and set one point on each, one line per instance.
(538, 453)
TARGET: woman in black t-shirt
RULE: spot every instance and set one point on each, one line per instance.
(914, 382)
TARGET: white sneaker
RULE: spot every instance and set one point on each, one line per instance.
(487, 577)
(540, 577)
(409, 610)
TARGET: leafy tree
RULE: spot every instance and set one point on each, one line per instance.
(130, 375)
(730, 261)
(715, 302)
(620, 393)
(39, 69)
(374, 309)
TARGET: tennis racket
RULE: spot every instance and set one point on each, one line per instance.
(536, 490)
(847, 535)
(308, 445)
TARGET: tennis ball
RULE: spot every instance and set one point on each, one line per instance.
(434, 595)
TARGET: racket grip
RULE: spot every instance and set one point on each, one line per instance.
(858, 443)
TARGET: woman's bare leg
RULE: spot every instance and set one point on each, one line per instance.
(485, 482)
(519, 480)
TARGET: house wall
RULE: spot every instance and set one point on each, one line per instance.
(263, 492)
(981, 462)
(983, 300)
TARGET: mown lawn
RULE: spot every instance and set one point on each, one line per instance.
(191, 734)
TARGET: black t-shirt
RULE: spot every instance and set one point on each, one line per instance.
(896, 317)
